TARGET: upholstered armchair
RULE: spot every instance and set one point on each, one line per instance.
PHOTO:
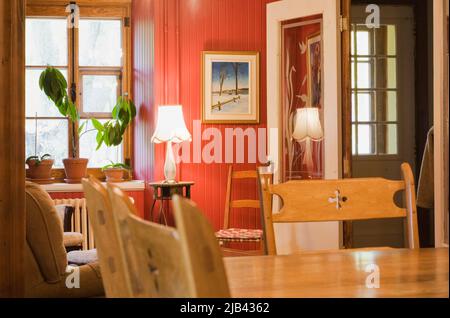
(72, 240)
(46, 261)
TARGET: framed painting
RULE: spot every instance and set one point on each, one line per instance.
(230, 87)
(314, 68)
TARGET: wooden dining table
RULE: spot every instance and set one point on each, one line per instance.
(345, 273)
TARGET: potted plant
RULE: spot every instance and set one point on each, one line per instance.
(54, 85)
(114, 171)
(40, 168)
(111, 133)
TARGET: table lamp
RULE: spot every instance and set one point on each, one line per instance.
(307, 127)
(170, 127)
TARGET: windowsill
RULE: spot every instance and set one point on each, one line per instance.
(134, 185)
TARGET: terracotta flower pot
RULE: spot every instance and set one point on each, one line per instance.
(75, 169)
(40, 172)
(114, 174)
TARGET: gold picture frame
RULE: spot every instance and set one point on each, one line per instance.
(230, 87)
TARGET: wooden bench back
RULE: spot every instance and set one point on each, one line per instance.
(340, 200)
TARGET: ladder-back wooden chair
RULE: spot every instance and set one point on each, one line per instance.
(340, 200)
(183, 263)
(110, 250)
(231, 234)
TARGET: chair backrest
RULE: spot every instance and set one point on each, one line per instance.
(44, 234)
(182, 263)
(231, 204)
(160, 262)
(341, 200)
(122, 207)
(201, 250)
(112, 258)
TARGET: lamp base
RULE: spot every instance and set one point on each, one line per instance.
(170, 181)
(170, 169)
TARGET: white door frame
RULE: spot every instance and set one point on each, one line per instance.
(292, 237)
(440, 14)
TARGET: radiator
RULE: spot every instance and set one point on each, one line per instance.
(80, 221)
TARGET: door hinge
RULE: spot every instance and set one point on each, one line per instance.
(343, 23)
(127, 22)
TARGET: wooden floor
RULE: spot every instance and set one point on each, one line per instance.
(403, 273)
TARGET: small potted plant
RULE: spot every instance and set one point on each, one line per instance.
(114, 171)
(54, 85)
(40, 168)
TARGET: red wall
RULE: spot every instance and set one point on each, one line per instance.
(169, 37)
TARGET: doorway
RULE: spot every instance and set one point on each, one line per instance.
(383, 117)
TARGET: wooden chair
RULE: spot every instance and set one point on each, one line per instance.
(206, 270)
(183, 263)
(340, 200)
(122, 207)
(239, 235)
(110, 250)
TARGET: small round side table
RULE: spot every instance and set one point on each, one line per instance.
(163, 191)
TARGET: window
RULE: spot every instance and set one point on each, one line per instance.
(46, 44)
(100, 73)
(99, 69)
(374, 90)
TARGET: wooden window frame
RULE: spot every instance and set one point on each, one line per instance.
(95, 9)
(370, 90)
(97, 72)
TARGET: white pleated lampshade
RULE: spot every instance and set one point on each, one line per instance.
(307, 124)
(170, 125)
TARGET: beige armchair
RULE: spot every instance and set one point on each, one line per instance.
(72, 240)
(45, 256)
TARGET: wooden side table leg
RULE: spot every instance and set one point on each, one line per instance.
(164, 212)
(188, 192)
(151, 211)
(161, 211)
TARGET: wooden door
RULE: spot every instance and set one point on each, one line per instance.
(383, 108)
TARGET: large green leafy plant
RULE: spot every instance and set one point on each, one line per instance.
(111, 132)
(54, 85)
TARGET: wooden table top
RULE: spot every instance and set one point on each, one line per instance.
(403, 273)
(163, 184)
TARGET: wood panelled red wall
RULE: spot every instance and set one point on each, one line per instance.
(169, 37)
(143, 95)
